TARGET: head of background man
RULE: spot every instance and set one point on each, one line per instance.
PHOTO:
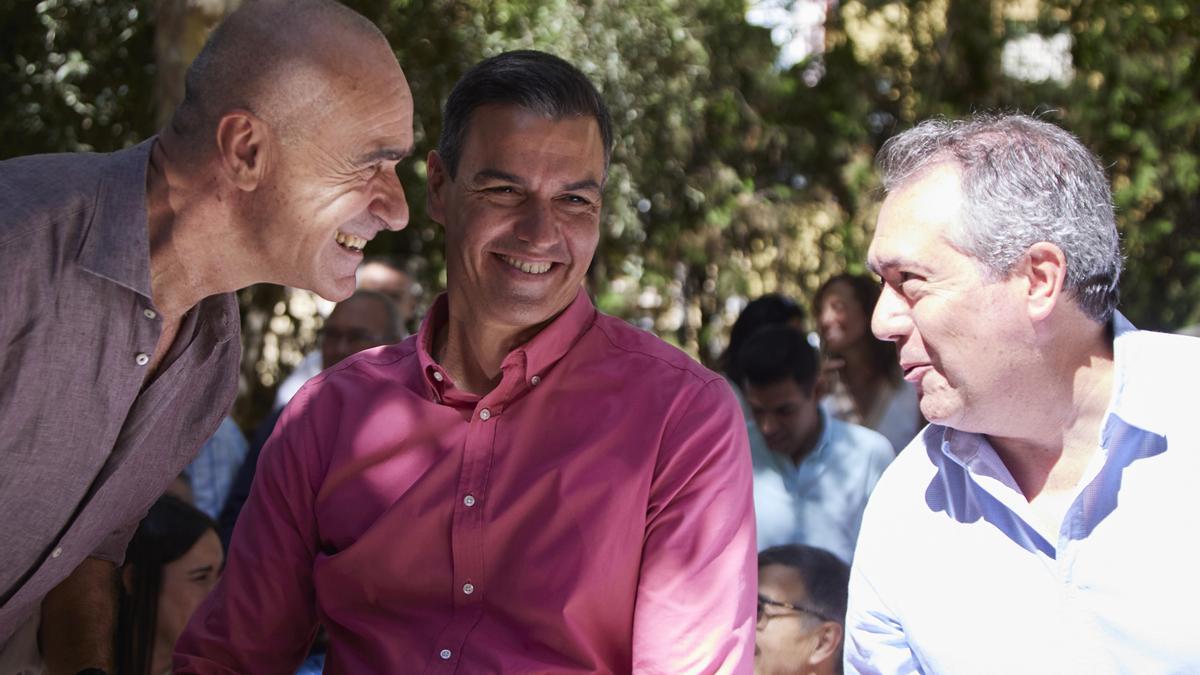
(517, 182)
(779, 378)
(388, 276)
(802, 594)
(294, 118)
(999, 254)
(365, 319)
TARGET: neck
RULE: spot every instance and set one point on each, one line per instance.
(193, 250)
(1061, 421)
(809, 442)
(472, 349)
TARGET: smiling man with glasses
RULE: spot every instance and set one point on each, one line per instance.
(801, 611)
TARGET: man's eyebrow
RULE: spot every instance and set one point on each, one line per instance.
(385, 154)
(586, 184)
(495, 174)
(200, 570)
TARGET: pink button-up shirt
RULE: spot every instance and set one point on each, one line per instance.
(592, 513)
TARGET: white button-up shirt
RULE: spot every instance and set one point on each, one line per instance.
(955, 574)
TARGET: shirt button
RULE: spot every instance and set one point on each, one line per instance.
(468, 588)
(534, 380)
(469, 500)
(56, 552)
(437, 375)
(149, 313)
(141, 359)
(445, 654)
(485, 414)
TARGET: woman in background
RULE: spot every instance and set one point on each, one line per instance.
(863, 382)
(173, 561)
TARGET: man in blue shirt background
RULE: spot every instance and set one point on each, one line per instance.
(812, 481)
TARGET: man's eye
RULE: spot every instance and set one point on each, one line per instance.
(501, 190)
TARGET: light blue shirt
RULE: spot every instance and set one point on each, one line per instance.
(820, 502)
(216, 464)
(956, 574)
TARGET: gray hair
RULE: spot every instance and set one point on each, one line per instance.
(1025, 181)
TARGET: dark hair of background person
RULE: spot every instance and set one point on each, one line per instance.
(532, 80)
(169, 530)
(865, 290)
(764, 310)
(825, 576)
(776, 353)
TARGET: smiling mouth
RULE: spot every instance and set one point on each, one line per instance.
(527, 267)
(350, 242)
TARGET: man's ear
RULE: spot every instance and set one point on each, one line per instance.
(1045, 270)
(243, 144)
(437, 182)
(829, 643)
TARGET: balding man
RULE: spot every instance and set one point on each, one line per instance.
(120, 332)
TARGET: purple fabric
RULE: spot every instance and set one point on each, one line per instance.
(86, 443)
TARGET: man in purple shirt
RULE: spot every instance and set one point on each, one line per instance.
(118, 327)
(526, 485)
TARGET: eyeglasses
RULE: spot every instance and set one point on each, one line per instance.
(763, 616)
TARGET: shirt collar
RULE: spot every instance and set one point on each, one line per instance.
(535, 357)
(116, 245)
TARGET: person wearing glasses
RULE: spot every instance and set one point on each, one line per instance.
(365, 319)
(801, 611)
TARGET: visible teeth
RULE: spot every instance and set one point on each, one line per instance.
(350, 241)
(527, 267)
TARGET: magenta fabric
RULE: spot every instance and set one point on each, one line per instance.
(592, 513)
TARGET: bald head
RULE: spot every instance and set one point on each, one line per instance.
(277, 59)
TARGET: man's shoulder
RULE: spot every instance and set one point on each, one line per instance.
(1154, 369)
(653, 357)
(47, 184)
(901, 488)
(862, 441)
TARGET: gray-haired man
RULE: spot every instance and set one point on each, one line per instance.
(1013, 534)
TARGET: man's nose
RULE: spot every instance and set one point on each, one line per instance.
(537, 225)
(389, 204)
(891, 321)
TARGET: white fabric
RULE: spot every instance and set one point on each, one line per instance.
(954, 573)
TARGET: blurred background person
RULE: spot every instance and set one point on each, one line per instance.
(813, 478)
(801, 611)
(210, 476)
(765, 310)
(173, 561)
(385, 275)
(864, 384)
(366, 319)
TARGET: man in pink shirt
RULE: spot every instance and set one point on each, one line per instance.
(526, 485)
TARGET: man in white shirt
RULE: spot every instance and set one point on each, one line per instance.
(1043, 521)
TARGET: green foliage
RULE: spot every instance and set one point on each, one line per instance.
(730, 177)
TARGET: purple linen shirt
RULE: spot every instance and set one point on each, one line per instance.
(591, 514)
(87, 443)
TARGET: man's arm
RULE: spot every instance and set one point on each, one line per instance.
(262, 616)
(79, 618)
(697, 590)
(875, 640)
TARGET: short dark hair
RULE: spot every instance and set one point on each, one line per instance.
(765, 310)
(775, 353)
(169, 530)
(825, 576)
(537, 81)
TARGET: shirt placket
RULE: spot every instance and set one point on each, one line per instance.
(466, 535)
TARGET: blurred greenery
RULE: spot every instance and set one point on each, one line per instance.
(731, 176)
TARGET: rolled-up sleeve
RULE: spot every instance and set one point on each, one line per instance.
(262, 617)
(696, 593)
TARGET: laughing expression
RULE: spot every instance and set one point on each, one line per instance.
(522, 215)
